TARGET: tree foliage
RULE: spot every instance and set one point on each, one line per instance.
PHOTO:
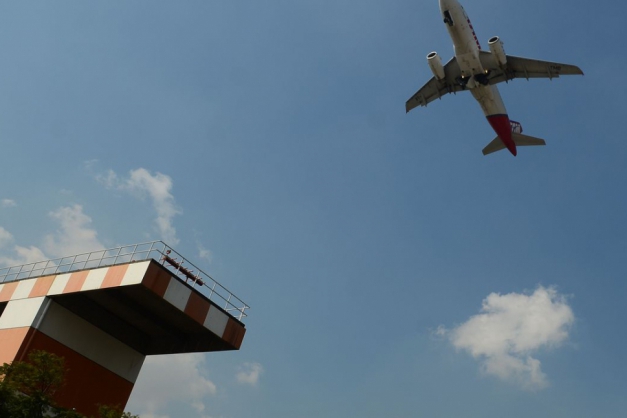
(106, 411)
(27, 389)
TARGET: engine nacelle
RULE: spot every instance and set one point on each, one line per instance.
(496, 47)
(435, 63)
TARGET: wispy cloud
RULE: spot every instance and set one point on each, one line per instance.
(204, 253)
(90, 164)
(23, 255)
(149, 415)
(512, 327)
(184, 383)
(249, 373)
(74, 235)
(5, 237)
(8, 203)
(158, 188)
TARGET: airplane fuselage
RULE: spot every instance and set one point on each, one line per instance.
(477, 71)
(473, 75)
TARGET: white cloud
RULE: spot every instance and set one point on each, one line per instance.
(149, 415)
(89, 164)
(110, 180)
(5, 237)
(8, 203)
(158, 187)
(512, 327)
(249, 373)
(171, 378)
(23, 255)
(74, 235)
(440, 331)
(204, 253)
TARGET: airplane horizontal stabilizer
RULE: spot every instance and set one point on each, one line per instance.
(519, 140)
(523, 140)
(494, 146)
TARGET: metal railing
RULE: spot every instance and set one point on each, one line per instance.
(182, 268)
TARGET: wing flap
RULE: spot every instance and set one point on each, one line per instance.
(435, 89)
(519, 67)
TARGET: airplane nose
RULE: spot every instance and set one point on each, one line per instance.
(448, 4)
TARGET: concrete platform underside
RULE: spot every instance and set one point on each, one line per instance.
(138, 317)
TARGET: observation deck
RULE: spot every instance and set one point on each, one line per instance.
(105, 310)
(155, 250)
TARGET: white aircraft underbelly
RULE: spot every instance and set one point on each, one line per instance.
(489, 99)
(469, 63)
(467, 51)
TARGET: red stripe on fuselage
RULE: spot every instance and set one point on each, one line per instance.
(473, 33)
(502, 127)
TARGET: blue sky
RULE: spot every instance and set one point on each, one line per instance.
(270, 141)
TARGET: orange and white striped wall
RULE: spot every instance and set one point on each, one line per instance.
(105, 321)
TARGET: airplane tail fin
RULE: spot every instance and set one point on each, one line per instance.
(519, 140)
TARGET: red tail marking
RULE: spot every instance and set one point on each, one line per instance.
(503, 128)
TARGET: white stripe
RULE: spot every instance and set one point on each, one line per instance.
(177, 294)
(23, 289)
(20, 313)
(216, 321)
(91, 342)
(135, 273)
(94, 279)
(59, 284)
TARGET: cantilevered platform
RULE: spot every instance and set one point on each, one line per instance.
(105, 311)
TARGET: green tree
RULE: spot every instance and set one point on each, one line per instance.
(6, 397)
(106, 411)
(29, 386)
(27, 389)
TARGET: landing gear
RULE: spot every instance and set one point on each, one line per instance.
(482, 79)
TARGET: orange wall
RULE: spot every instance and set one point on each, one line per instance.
(87, 383)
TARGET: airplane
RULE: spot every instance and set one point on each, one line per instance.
(479, 71)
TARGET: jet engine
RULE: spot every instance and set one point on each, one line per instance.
(496, 47)
(435, 63)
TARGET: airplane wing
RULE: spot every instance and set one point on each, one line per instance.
(518, 67)
(435, 89)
